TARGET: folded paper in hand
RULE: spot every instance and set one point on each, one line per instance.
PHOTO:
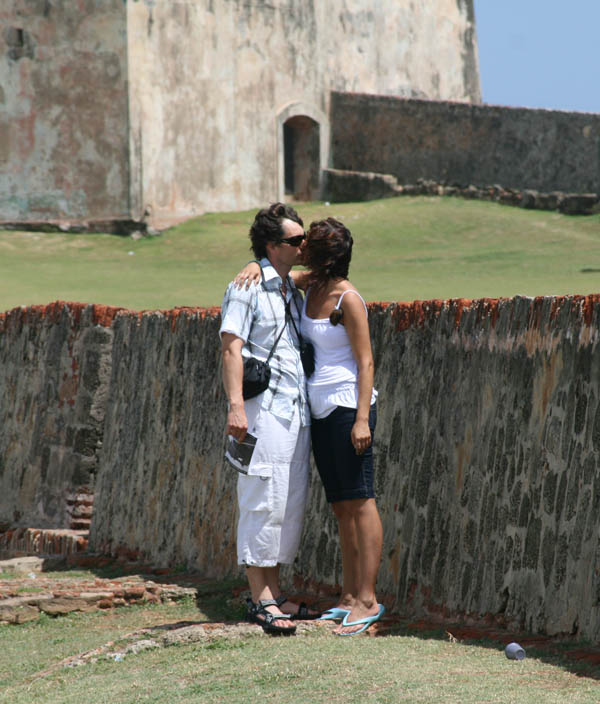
(239, 454)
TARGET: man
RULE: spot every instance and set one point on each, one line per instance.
(272, 495)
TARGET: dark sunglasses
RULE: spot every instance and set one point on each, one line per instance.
(295, 241)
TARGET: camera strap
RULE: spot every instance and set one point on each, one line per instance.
(289, 312)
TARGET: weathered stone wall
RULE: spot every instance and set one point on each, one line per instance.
(487, 452)
(461, 144)
(163, 492)
(351, 186)
(63, 110)
(54, 372)
(121, 109)
(208, 80)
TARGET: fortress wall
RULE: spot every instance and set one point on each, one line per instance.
(63, 110)
(455, 143)
(111, 109)
(208, 80)
(487, 452)
(163, 492)
(54, 372)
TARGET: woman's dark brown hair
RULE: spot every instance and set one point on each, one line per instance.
(328, 251)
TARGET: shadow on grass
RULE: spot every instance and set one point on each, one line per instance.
(581, 658)
(218, 601)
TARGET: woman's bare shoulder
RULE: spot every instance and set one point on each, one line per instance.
(345, 287)
(353, 303)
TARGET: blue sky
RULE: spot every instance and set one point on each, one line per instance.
(540, 53)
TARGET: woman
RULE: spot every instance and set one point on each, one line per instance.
(343, 414)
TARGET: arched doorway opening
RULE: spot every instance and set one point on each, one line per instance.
(301, 158)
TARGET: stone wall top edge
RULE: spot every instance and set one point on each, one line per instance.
(103, 315)
(417, 313)
(475, 107)
(406, 313)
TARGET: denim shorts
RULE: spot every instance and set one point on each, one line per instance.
(345, 475)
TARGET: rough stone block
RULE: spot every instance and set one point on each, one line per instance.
(578, 203)
(64, 605)
(22, 565)
(95, 597)
(18, 614)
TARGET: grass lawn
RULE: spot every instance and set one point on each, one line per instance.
(405, 249)
(401, 666)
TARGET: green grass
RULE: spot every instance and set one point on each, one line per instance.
(29, 590)
(403, 666)
(315, 667)
(405, 249)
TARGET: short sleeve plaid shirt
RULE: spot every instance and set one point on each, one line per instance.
(257, 316)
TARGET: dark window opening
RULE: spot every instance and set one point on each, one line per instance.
(20, 43)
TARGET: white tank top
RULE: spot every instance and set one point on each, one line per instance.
(334, 381)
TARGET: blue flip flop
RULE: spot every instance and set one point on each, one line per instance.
(334, 614)
(366, 622)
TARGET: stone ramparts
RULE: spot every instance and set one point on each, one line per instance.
(460, 144)
(54, 364)
(486, 450)
(351, 186)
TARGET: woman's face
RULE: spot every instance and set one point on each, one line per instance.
(304, 246)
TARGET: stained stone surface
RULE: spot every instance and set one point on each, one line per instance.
(459, 144)
(486, 459)
(54, 370)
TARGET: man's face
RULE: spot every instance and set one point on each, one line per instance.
(285, 252)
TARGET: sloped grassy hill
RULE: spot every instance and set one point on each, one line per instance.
(405, 249)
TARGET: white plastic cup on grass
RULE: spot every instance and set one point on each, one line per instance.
(514, 651)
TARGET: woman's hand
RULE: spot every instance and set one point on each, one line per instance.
(361, 436)
(250, 274)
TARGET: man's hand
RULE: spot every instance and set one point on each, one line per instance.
(237, 423)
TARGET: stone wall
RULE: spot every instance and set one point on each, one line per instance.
(163, 492)
(461, 144)
(209, 81)
(63, 110)
(54, 371)
(127, 109)
(487, 452)
(351, 186)
(487, 463)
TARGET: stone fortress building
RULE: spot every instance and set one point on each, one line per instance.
(120, 110)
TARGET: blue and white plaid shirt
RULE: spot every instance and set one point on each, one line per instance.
(257, 316)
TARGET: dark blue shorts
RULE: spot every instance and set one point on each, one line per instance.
(345, 475)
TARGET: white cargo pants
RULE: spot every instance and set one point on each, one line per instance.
(272, 496)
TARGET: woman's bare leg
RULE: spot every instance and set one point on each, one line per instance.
(350, 554)
(364, 516)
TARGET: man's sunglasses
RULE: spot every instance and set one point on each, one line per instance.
(295, 241)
